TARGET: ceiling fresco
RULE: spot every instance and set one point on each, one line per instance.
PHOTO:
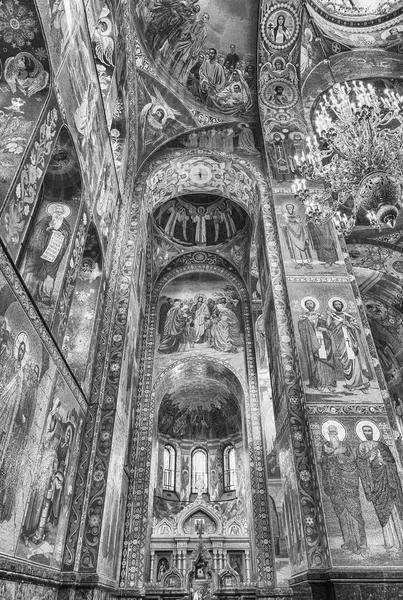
(200, 219)
(377, 258)
(24, 82)
(206, 49)
(360, 23)
(203, 402)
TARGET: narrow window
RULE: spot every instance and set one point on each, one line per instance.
(199, 471)
(169, 468)
(229, 469)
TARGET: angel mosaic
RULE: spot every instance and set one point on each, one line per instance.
(200, 225)
(24, 73)
(158, 121)
(103, 38)
(278, 68)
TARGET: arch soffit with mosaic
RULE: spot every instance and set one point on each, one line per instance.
(176, 173)
(208, 261)
(355, 64)
(194, 359)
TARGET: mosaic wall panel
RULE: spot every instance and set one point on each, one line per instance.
(209, 59)
(24, 87)
(42, 415)
(360, 478)
(336, 362)
(200, 315)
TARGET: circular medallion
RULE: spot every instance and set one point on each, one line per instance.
(280, 26)
(398, 266)
(200, 174)
(279, 94)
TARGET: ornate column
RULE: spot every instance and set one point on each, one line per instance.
(152, 566)
(247, 566)
(336, 429)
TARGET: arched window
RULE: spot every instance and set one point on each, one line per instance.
(199, 471)
(229, 469)
(169, 468)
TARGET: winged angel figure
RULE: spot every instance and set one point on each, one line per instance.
(158, 120)
(279, 69)
(24, 73)
(103, 40)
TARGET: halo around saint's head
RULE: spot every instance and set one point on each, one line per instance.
(197, 296)
(22, 338)
(333, 299)
(312, 299)
(108, 24)
(32, 59)
(69, 429)
(158, 107)
(361, 424)
(50, 209)
(340, 429)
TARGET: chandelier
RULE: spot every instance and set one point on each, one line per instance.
(356, 156)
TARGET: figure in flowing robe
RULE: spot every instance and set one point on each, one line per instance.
(212, 76)
(173, 330)
(341, 483)
(17, 407)
(382, 486)
(46, 249)
(317, 345)
(296, 237)
(346, 336)
(324, 242)
(225, 330)
(201, 318)
(200, 216)
(187, 48)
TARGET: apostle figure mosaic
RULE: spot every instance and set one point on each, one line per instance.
(40, 432)
(361, 479)
(308, 245)
(332, 347)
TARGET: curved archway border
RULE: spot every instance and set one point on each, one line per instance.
(142, 448)
(133, 564)
(199, 359)
(196, 171)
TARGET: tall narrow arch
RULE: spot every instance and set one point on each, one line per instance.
(199, 471)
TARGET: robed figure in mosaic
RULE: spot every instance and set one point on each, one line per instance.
(346, 335)
(382, 486)
(47, 246)
(174, 328)
(296, 237)
(341, 483)
(317, 345)
(17, 407)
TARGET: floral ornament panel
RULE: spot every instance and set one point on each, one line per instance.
(24, 85)
(14, 219)
(18, 24)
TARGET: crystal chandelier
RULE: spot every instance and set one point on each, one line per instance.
(356, 155)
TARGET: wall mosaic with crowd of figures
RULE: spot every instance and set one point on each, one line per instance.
(207, 56)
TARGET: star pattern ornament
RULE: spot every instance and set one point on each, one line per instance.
(18, 26)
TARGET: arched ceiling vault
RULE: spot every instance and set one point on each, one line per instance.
(199, 399)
